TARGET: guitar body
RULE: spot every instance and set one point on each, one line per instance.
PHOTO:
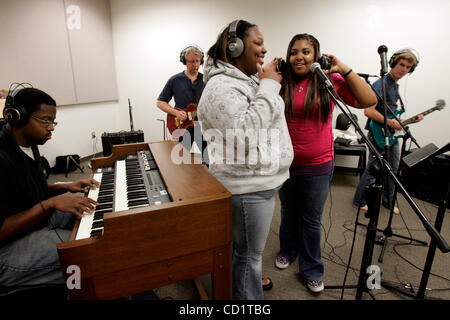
(377, 130)
(173, 124)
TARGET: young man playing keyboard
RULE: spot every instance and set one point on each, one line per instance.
(34, 215)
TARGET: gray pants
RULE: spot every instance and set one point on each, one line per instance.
(33, 259)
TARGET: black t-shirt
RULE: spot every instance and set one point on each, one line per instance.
(22, 181)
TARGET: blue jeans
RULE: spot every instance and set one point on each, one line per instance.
(33, 259)
(367, 178)
(302, 199)
(252, 215)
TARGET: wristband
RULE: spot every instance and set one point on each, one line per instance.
(348, 72)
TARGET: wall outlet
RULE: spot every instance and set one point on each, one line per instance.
(93, 134)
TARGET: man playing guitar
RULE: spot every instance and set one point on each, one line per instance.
(402, 62)
(185, 87)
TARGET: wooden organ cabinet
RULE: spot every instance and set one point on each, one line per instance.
(148, 246)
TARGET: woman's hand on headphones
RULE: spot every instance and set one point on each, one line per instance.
(337, 66)
(269, 71)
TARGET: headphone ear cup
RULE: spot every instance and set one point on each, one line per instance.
(324, 63)
(236, 48)
(15, 115)
(182, 57)
(391, 61)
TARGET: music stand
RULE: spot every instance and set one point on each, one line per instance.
(428, 152)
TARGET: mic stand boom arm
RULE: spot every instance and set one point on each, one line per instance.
(434, 234)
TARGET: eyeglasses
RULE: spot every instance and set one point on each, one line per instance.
(46, 122)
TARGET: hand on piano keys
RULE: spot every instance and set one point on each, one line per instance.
(83, 185)
(75, 204)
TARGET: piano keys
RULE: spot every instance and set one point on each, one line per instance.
(179, 228)
(133, 182)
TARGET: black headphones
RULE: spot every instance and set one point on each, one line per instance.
(185, 50)
(397, 56)
(235, 46)
(13, 113)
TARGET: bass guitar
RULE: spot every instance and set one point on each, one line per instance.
(177, 127)
(377, 129)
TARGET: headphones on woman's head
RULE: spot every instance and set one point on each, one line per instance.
(399, 55)
(187, 49)
(14, 113)
(235, 46)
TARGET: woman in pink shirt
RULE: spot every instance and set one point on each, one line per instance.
(309, 112)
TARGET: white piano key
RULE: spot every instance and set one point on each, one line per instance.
(85, 226)
(120, 192)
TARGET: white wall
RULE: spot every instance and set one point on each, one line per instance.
(72, 135)
(149, 35)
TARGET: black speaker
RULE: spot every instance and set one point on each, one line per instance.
(428, 180)
(121, 137)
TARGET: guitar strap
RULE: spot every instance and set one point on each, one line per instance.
(198, 92)
(401, 103)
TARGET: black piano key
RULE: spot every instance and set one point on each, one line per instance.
(133, 177)
(135, 202)
(136, 187)
(134, 182)
(105, 199)
(103, 206)
(97, 224)
(102, 211)
(96, 232)
(137, 195)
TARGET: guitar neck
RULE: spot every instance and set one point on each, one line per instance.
(414, 118)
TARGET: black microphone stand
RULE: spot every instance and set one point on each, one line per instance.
(374, 200)
(387, 232)
(131, 115)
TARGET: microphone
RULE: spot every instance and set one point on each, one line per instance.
(365, 75)
(315, 68)
(382, 50)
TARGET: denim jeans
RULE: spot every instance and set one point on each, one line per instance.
(302, 199)
(33, 259)
(367, 178)
(252, 215)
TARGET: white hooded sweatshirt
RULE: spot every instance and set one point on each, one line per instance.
(243, 121)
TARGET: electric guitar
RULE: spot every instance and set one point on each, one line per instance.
(177, 127)
(377, 129)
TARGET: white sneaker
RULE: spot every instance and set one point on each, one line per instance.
(282, 262)
(315, 285)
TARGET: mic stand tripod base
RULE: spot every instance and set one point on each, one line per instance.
(76, 163)
(373, 202)
(409, 290)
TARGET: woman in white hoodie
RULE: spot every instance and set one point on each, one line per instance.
(249, 148)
